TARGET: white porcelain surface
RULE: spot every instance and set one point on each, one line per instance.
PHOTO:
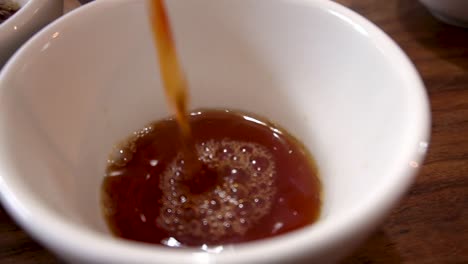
(451, 11)
(32, 16)
(69, 5)
(320, 70)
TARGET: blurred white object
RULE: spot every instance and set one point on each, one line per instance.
(30, 18)
(454, 12)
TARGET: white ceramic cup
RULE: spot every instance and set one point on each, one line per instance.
(88, 80)
(30, 18)
(454, 12)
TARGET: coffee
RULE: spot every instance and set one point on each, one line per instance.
(261, 183)
(206, 178)
(173, 78)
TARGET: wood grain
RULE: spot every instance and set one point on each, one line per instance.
(431, 223)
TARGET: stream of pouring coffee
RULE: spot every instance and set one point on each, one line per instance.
(173, 79)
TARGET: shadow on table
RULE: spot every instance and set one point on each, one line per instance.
(378, 249)
(448, 42)
(17, 247)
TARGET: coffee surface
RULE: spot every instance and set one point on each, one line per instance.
(256, 181)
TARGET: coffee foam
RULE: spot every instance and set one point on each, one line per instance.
(238, 202)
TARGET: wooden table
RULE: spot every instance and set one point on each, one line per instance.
(431, 223)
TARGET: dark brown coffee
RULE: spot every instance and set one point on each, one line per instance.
(257, 181)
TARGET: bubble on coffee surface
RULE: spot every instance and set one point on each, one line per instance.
(242, 196)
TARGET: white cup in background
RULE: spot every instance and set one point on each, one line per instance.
(30, 18)
(454, 12)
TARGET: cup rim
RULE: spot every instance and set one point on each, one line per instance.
(25, 13)
(55, 232)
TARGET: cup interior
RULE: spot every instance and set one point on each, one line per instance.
(89, 80)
